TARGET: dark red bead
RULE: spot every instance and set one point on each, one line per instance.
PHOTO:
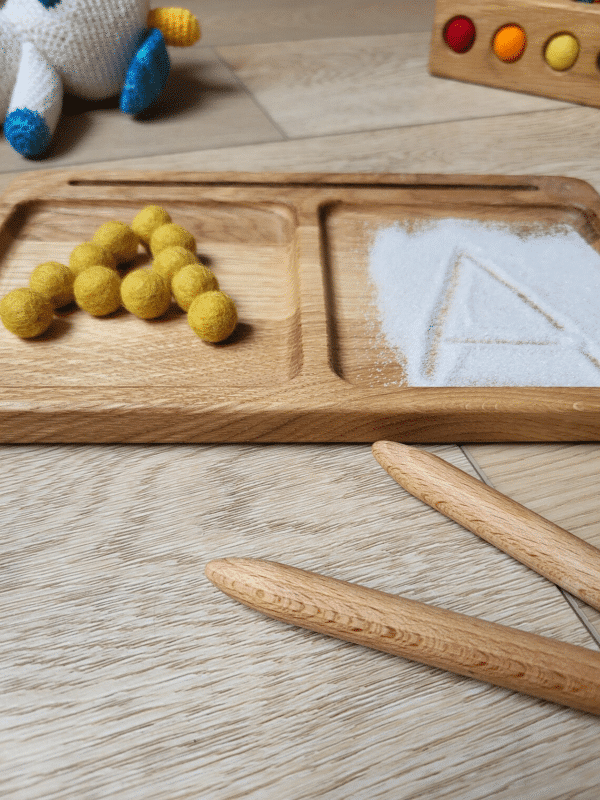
(459, 34)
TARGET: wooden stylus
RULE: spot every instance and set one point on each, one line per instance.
(551, 551)
(524, 662)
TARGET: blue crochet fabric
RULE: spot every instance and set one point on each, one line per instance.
(49, 3)
(27, 132)
(147, 74)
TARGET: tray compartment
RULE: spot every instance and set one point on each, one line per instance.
(250, 248)
(361, 353)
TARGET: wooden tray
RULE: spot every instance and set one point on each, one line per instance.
(304, 364)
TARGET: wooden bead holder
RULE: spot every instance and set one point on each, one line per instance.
(541, 20)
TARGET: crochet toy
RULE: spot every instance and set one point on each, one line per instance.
(93, 49)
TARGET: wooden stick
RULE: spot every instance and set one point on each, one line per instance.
(553, 552)
(524, 662)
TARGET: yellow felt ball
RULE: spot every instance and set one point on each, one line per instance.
(170, 260)
(117, 238)
(145, 294)
(25, 313)
(90, 254)
(561, 51)
(171, 235)
(54, 281)
(97, 290)
(190, 281)
(212, 316)
(148, 219)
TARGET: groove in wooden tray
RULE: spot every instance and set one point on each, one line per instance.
(523, 187)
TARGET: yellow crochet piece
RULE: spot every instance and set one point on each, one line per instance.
(179, 27)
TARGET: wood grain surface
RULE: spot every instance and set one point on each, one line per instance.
(126, 672)
(123, 671)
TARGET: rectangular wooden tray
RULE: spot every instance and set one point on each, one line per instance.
(304, 364)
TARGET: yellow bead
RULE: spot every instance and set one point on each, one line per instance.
(171, 235)
(190, 281)
(25, 313)
(90, 254)
(212, 316)
(145, 294)
(54, 281)
(119, 239)
(148, 220)
(97, 290)
(561, 51)
(171, 260)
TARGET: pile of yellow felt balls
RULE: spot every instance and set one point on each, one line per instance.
(93, 281)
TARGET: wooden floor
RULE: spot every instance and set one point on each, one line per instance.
(123, 672)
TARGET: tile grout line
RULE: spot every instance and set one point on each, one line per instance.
(415, 126)
(418, 125)
(286, 139)
(246, 89)
(579, 613)
(251, 96)
(294, 40)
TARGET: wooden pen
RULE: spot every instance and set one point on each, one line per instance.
(560, 556)
(524, 662)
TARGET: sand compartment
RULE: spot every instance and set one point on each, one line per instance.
(459, 301)
(469, 303)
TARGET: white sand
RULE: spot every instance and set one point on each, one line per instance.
(467, 303)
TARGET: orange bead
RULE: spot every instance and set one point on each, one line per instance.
(509, 43)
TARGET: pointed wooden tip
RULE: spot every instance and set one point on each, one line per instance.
(390, 454)
(211, 567)
(224, 572)
(216, 569)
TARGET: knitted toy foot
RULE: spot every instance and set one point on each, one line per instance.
(147, 74)
(35, 104)
(27, 132)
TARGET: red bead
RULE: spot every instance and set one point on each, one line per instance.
(459, 34)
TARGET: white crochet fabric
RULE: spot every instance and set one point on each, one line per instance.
(91, 48)
(38, 83)
(89, 42)
(10, 56)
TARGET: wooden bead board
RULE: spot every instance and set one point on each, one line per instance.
(304, 364)
(540, 19)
